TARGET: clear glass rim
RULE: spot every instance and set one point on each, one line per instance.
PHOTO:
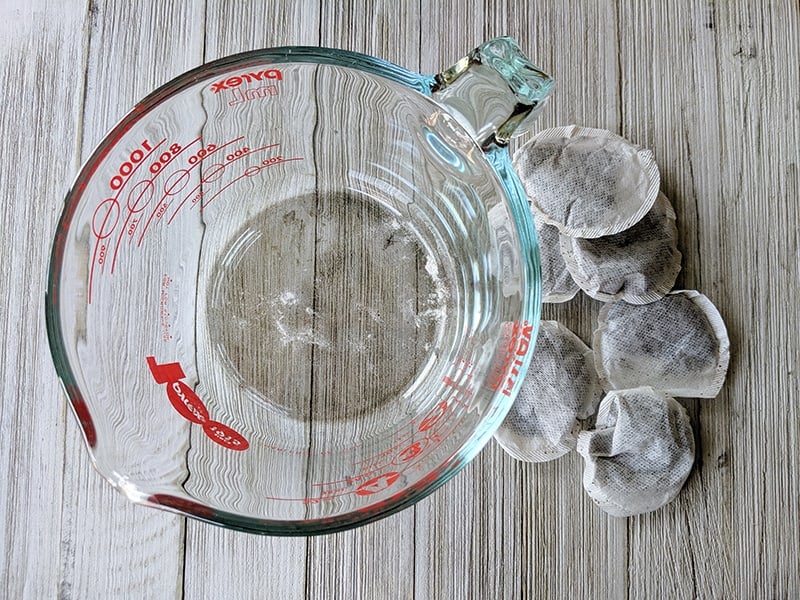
(500, 403)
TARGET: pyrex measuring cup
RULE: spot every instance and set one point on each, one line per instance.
(295, 290)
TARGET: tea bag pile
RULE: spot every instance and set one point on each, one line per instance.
(617, 237)
(605, 229)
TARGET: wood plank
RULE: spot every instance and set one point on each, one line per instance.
(523, 526)
(447, 555)
(381, 29)
(468, 533)
(668, 94)
(42, 59)
(245, 565)
(752, 245)
(135, 550)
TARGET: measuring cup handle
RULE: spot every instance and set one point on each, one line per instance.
(495, 91)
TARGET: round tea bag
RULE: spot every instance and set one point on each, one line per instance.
(557, 283)
(639, 454)
(560, 388)
(678, 344)
(587, 182)
(638, 265)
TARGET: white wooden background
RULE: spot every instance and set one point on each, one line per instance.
(711, 87)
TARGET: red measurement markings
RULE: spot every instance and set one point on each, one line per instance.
(162, 206)
(127, 168)
(378, 484)
(515, 343)
(171, 187)
(109, 209)
(407, 453)
(435, 414)
(196, 164)
(189, 405)
(415, 456)
(142, 190)
(148, 190)
(438, 424)
(313, 500)
(371, 486)
(250, 171)
(411, 451)
(378, 465)
(368, 465)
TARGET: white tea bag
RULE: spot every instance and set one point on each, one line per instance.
(560, 388)
(638, 265)
(677, 344)
(639, 454)
(587, 182)
(557, 283)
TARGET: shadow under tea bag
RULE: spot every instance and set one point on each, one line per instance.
(587, 182)
(638, 265)
(677, 344)
(561, 387)
(639, 454)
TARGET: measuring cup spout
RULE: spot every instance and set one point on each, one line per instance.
(494, 91)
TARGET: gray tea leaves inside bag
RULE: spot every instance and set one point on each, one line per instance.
(560, 388)
(639, 454)
(587, 182)
(638, 265)
(677, 344)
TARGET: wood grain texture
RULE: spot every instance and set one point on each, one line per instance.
(121, 40)
(670, 88)
(243, 565)
(710, 86)
(42, 48)
(379, 558)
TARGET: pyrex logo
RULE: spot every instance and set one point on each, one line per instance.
(191, 407)
(237, 80)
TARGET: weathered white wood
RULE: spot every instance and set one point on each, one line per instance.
(749, 258)
(669, 89)
(42, 62)
(711, 87)
(549, 541)
(376, 561)
(584, 552)
(243, 565)
(458, 551)
(133, 550)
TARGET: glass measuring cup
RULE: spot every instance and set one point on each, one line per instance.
(295, 290)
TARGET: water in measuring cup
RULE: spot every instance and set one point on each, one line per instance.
(325, 307)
